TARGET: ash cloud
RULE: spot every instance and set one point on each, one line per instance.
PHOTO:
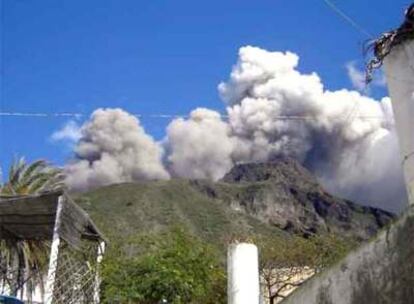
(345, 138)
(199, 147)
(114, 148)
(356, 76)
(69, 134)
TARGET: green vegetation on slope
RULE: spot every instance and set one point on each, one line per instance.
(126, 209)
(140, 220)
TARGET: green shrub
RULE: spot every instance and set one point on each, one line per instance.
(172, 267)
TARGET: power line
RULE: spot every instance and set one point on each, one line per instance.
(79, 115)
(33, 114)
(172, 116)
(348, 19)
(350, 117)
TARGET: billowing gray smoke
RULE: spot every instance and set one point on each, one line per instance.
(114, 148)
(345, 138)
(200, 147)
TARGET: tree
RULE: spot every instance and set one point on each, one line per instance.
(172, 267)
(34, 178)
(29, 257)
(285, 264)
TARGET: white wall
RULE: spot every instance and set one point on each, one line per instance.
(399, 69)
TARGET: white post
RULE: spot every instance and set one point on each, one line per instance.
(54, 254)
(243, 274)
(399, 70)
(96, 291)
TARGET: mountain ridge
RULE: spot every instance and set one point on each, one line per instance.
(279, 197)
(295, 185)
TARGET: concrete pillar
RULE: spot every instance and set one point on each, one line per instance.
(399, 70)
(243, 274)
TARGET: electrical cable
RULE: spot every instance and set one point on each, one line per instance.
(348, 19)
(169, 116)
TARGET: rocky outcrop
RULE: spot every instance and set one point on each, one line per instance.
(285, 194)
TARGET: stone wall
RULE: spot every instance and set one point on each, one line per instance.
(381, 271)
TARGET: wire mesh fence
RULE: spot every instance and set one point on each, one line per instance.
(75, 279)
(76, 276)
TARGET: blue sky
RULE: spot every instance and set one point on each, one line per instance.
(152, 57)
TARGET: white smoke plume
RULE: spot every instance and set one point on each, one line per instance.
(70, 132)
(114, 148)
(199, 147)
(347, 139)
(356, 76)
(273, 109)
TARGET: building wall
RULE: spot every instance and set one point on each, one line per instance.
(399, 70)
(381, 271)
(284, 281)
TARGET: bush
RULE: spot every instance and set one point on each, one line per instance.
(172, 267)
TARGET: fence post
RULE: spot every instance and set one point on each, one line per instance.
(54, 254)
(97, 290)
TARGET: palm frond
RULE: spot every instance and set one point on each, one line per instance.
(31, 169)
(29, 256)
(36, 177)
(15, 170)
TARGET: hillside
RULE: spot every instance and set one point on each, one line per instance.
(276, 198)
(285, 194)
(126, 209)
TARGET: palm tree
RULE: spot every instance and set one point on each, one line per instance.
(30, 257)
(33, 178)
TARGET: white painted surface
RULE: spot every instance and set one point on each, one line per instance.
(378, 272)
(399, 70)
(97, 289)
(243, 274)
(54, 254)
